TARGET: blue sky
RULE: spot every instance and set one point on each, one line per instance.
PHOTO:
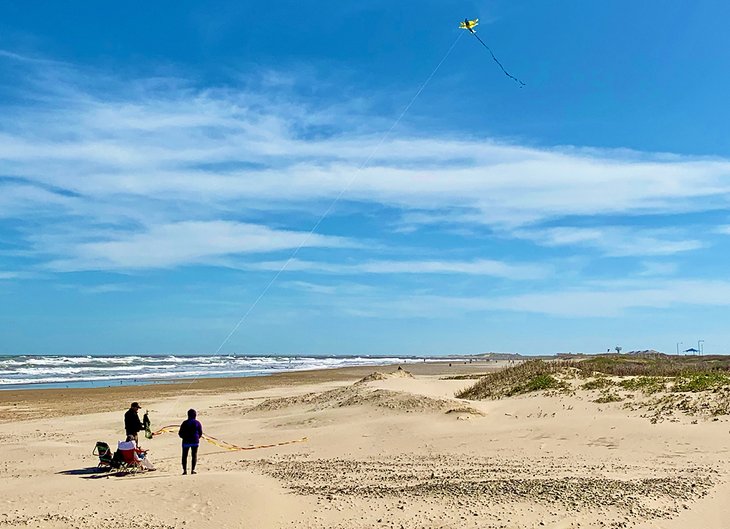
(160, 164)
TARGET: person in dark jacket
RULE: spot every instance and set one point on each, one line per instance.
(190, 432)
(132, 424)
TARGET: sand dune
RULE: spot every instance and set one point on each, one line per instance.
(362, 394)
(382, 451)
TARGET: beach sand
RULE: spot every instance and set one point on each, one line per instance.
(393, 450)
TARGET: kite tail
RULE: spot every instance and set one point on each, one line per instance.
(497, 61)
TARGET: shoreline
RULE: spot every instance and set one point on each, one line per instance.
(24, 372)
(35, 403)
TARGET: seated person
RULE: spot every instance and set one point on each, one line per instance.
(136, 455)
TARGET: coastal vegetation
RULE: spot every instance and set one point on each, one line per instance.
(534, 375)
(653, 365)
(656, 382)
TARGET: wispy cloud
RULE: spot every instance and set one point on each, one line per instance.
(143, 141)
(617, 300)
(183, 243)
(479, 267)
(338, 289)
(103, 288)
(615, 241)
(657, 268)
(578, 302)
(157, 173)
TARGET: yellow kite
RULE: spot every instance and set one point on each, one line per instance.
(469, 25)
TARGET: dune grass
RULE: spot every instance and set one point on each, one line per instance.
(644, 384)
(533, 375)
(657, 373)
(607, 397)
(600, 382)
(694, 382)
(653, 365)
(646, 373)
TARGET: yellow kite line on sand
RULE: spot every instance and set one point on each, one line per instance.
(469, 25)
(224, 444)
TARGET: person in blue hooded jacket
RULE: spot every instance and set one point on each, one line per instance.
(190, 432)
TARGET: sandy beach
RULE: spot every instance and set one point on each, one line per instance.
(391, 449)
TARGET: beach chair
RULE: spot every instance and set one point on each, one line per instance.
(130, 461)
(106, 457)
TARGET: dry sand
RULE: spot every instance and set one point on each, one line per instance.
(394, 450)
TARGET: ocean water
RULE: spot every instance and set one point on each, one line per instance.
(20, 372)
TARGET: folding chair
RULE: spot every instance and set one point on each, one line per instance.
(106, 457)
(130, 461)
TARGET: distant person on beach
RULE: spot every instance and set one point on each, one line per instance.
(132, 424)
(190, 432)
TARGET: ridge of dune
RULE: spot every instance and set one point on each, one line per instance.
(361, 393)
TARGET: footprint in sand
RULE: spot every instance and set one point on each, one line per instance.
(611, 444)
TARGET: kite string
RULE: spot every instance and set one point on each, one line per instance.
(327, 211)
(337, 198)
(497, 61)
(220, 443)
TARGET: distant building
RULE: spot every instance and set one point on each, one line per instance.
(646, 352)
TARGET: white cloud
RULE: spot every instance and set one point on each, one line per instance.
(17, 200)
(224, 146)
(609, 300)
(614, 241)
(182, 243)
(656, 268)
(614, 301)
(147, 169)
(481, 267)
(103, 288)
(338, 289)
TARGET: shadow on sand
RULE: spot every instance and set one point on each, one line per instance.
(92, 472)
(97, 473)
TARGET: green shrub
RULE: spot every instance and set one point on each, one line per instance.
(534, 375)
(645, 384)
(541, 383)
(598, 383)
(701, 382)
(652, 365)
(608, 397)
